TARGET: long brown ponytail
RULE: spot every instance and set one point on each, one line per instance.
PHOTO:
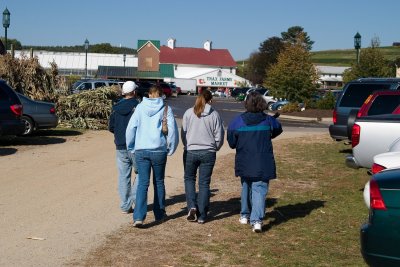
(201, 101)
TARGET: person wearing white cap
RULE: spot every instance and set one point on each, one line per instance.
(119, 119)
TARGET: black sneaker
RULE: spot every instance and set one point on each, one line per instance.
(192, 215)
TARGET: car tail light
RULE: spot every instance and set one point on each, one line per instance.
(52, 110)
(377, 168)
(376, 200)
(363, 110)
(397, 110)
(16, 109)
(334, 116)
(355, 135)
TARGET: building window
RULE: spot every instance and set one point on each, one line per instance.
(148, 62)
(176, 67)
(231, 69)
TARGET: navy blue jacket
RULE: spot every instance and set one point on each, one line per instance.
(251, 134)
(119, 119)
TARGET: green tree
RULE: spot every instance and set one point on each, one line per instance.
(372, 64)
(253, 71)
(17, 44)
(294, 76)
(260, 61)
(296, 35)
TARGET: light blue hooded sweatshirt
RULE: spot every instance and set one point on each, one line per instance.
(144, 128)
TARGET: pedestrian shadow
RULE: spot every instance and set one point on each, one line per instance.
(231, 207)
(7, 151)
(285, 213)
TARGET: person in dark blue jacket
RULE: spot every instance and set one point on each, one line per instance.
(119, 119)
(251, 133)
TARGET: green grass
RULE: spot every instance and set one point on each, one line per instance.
(314, 212)
(342, 57)
(347, 56)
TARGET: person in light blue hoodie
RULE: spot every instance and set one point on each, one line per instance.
(145, 138)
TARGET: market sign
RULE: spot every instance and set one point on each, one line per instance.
(217, 81)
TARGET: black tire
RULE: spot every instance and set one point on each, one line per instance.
(29, 125)
(350, 121)
(269, 105)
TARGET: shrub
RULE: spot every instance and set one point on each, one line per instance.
(327, 102)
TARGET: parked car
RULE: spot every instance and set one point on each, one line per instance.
(239, 90)
(143, 88)
(166, 89)
(265, 93)
(353, 96)
(380, 235)
(380, 102)
(372, 135)
(278, 105)
(10, 111)
(92, 84)
(387, 160)
(175, 90)
(37, 115)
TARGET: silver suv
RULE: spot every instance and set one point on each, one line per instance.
(93, 84)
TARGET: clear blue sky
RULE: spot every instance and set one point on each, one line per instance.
(239, 26)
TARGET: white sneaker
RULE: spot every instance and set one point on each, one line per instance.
(244, 220)
(257, 227)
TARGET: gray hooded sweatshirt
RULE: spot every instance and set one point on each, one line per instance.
(204, 133)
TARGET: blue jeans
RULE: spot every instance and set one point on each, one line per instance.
(148, 161)
(204, 161)
(253, 197)
(127, 193)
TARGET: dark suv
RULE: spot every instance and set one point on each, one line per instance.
(353, 96)
(10, 111)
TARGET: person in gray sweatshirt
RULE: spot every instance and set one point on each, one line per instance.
(202, 135)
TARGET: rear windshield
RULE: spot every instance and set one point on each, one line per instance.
(384, 104)
(355, 94)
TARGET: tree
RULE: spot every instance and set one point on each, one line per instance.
(260, 61)
(372, 64)
(16, 44)
(294, 76)
(254, 71)
(295, 35)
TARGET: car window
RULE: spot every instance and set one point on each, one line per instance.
(3, 94)
(99, 84)
(85, 86)
(384, 104)
(355, 94)
(111, 84)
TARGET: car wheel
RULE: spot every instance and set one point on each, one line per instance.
(269, 105)
(29, 125)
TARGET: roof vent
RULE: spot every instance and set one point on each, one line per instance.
(207, 45)
(171, 43)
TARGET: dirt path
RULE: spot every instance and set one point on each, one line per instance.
(64, 196)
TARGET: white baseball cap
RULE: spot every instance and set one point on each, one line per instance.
(128, 87)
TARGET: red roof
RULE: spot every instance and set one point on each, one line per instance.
(196, 56)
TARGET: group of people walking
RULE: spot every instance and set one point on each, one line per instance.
(146, 133)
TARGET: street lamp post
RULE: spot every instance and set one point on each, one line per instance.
(357, 45)
(6, 24)
(86, 50)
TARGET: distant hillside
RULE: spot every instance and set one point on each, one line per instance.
(347, 56)
(342, 57)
